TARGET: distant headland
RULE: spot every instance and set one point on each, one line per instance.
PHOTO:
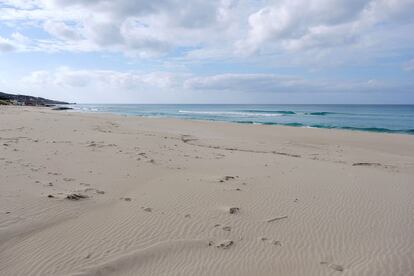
(13, 99)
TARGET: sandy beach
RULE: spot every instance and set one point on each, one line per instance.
(101, 194)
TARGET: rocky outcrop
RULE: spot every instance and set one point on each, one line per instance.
(27, 100)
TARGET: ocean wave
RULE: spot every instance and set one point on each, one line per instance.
(289, 112)
(231, 113)
(323, 113)
(379, 129)
(84, 109)
(282, 112)
(368, 129)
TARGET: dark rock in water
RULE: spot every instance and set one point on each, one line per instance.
(234, 210)
(59, 108)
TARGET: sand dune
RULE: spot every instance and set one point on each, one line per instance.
(99, 194)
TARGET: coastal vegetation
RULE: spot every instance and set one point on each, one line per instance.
(13, 99)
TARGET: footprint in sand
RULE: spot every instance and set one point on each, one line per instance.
(94, 190)
(335, 267)
(52, 173)
(274, 242)
(367, 164)
(225, 244)
(125, 198)
(146, 209)
(234, 210)
(227, 178)
(76, 196)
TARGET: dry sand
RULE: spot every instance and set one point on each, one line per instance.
(99, 194)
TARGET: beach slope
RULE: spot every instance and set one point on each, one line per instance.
(100, 194)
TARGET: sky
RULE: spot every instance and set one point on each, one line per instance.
(215, 51)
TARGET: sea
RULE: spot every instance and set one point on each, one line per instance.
(374, 118)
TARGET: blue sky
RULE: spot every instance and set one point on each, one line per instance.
(218, 51)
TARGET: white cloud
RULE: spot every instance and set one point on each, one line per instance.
(270, 83)
(16, 42)
(212, 29)
(111, 86)
(265, 33)
(20, 38)
(6, 45)
(304, 25)
(138, 28)
(244, 82)
(62, 31)
(67, 77)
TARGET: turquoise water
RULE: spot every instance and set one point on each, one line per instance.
(377, 118)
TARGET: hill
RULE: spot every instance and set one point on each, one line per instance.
(6, 98)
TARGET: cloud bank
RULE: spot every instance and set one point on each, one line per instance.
(203, 45)
(159, 27)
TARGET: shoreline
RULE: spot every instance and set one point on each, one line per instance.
(106, 194)
(250, 122)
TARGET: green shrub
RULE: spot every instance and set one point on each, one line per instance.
(3, 102)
